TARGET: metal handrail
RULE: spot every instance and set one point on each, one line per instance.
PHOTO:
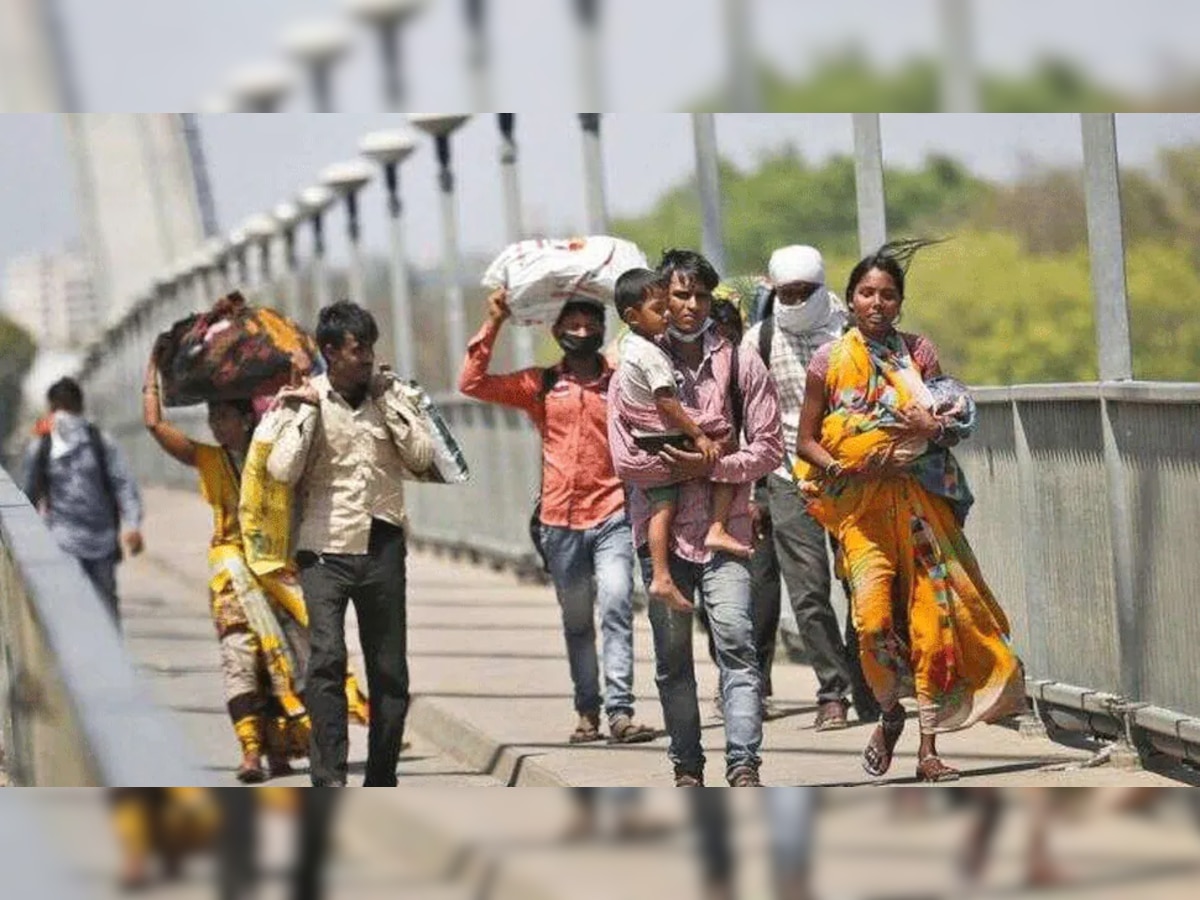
(73, 709)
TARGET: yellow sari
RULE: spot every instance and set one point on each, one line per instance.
(261, 622)
(927, 622)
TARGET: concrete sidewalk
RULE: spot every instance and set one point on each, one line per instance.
(492, 695)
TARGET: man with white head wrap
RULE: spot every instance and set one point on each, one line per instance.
(805, 316)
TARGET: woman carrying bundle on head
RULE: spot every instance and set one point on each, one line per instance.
(875, 431)
(260, 616)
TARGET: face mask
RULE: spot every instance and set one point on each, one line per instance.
(693, 336)
(802, 317)
(576, 346)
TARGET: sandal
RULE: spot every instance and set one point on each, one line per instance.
(249, 773)
(623, 730)
(877, 757)
(931, 769)
(587, 731)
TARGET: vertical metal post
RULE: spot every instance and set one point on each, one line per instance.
(291, 265)
(587, 16)
(402, 321)
(593, 172)
(456, 335)
(358, 292)
(868, 182)
(320, 278)
(513, 227)
(743, 79)
(708, 176)
(1106, 244)
(959, 87)
(478, 54)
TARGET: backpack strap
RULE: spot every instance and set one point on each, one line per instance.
(766, 340)
(736, 398)
(41, 473)
(96, 440)
(550, 377)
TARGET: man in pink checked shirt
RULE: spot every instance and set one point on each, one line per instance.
(704, 367)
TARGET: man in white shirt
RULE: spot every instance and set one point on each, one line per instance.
(347, 441)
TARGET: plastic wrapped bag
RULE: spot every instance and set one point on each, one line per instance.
(232, 352)
(449, 463)
(542, 275)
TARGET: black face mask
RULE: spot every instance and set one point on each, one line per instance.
(576, 346)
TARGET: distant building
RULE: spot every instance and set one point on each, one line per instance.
(52, 296)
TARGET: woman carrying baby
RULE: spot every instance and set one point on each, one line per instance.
(875, 431)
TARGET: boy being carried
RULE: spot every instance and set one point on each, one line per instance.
(647, 379)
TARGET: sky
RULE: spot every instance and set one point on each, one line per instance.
(145, 55)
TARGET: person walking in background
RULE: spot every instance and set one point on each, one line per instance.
(713, 380)
(581, 520)
(261, 619)
(346, 441)
(876, 466)
(766, 588)
(804, 316)
(81, 482)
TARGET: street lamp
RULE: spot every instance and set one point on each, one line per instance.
(708, 177)
(313, 203)
(218, 253)
(593, 172)
(261, 229)
(346, 180)
(317, 47)
(389, 149)
(387, 17)
(440, 127)
(287, 217)
(260, 88)
(513, 225)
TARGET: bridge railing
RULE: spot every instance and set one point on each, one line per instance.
(1088, 500)
(73, 712)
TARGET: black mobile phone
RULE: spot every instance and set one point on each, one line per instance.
(656, 443)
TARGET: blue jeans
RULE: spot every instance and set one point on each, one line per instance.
(586, 567)
(723, 587)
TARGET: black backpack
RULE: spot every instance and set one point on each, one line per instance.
(41, 476)
(550, 378)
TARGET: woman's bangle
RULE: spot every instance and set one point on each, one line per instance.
(834, 470)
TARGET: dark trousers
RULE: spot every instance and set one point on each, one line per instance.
(102, 573)
(318, 811)
(376, 583)
(803, 553)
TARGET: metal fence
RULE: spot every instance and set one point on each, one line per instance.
(72, 710)
(1088, 498)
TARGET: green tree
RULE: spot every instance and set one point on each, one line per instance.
(16, 355)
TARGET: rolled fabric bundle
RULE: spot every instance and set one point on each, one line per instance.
(232, 352)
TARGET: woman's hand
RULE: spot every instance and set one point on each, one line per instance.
(917, 420)
(498, 309)
(294, 395)
(686, 465)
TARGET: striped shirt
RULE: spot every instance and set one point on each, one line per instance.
(790, 356)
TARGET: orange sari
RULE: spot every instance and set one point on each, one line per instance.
(928, 625)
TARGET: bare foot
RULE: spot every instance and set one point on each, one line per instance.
(664, 591)
(718, 539)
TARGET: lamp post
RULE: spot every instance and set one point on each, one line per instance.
(478, 53)
(587, 20)
(593, 173)
(260, 88)
(287, 217)
(441, 127)
(708, 176)
(346, 180)
(513, 225)
(388, 17)
(317, 47)
(218, 253)
(313, 202)
(389, 149)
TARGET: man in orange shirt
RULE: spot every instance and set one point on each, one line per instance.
(585, 532)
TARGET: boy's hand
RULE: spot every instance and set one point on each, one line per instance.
(708, 448)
